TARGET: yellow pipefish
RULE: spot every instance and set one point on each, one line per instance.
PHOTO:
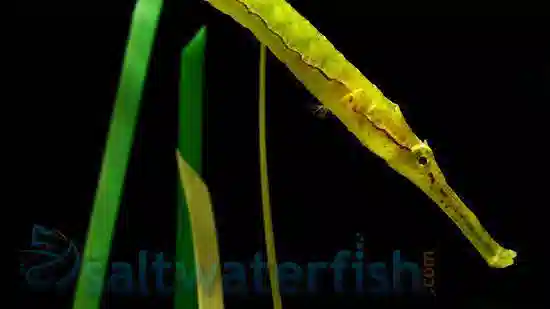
(376, 121)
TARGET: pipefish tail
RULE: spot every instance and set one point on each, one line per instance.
(376, 121)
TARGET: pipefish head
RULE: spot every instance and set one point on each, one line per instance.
(419, 166)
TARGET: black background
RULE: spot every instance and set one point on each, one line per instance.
(475, 87)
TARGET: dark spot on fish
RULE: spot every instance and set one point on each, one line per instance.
(443, 193)
(432, 178)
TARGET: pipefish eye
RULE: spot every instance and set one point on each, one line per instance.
(422, 160)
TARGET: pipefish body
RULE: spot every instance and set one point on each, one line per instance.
(376, 121)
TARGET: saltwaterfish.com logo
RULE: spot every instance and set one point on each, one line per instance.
(53, 263)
